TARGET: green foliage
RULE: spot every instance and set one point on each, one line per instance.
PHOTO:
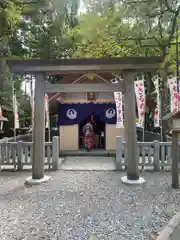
(6, 86)
(53, 29)
(9, 18)
(32, 29)
(125, 28)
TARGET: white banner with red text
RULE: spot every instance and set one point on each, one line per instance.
(15, 111)
(140, 99)
(118, 97)
(32, 109)
(156, 81)
(175, 96)
(46, 107)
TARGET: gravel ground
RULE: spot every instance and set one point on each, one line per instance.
(76, 205)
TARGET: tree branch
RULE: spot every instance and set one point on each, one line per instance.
(134, 2)
(174, 22)
(156, 14)
(28, 2)
(168, 6)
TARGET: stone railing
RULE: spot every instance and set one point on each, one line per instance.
(18, 155)
(152, 155)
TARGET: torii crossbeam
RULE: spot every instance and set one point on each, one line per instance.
(128, 66)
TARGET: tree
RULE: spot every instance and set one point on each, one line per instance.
(9, 19)
(128, 28)
(44, 31)
(133, 24)
(39, 33)
(53, 29)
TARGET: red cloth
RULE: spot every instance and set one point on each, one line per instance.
(92, 119)
(88, 136)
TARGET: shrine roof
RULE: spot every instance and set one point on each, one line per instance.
(85, 65)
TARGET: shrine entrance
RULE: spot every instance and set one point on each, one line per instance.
(99, 132)
(127, 66)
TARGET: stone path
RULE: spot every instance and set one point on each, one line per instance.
(98, 163)
(83, 205)
(89, 163)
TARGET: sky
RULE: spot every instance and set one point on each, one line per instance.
(82, 8)
(28, 88)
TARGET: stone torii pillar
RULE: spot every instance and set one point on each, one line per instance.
(38, 134)
(130, 131)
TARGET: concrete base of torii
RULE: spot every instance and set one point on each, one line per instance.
(31, 181)
(140, 181)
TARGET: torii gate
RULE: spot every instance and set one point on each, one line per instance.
(128, 66)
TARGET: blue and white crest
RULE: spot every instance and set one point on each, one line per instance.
(71, 114)
(110, 113)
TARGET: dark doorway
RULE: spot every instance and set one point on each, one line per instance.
(99, 130)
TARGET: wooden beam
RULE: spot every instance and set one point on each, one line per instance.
(83, 66)
(86, 68)
(102, 87)
(79, 79)
(86, 75)
(54, 96)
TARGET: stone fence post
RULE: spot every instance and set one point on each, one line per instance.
(20, 156)
(3, 151)
(55, 152)
(156, 149)
(118, 153)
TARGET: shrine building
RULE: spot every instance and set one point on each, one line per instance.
(75, 109)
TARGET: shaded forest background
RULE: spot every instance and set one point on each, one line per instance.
(109, 28)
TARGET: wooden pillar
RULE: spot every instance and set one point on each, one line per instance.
(175, 160)
(130, 126)
(39, 129)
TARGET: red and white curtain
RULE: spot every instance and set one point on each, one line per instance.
(156, 81)
(140, 98)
